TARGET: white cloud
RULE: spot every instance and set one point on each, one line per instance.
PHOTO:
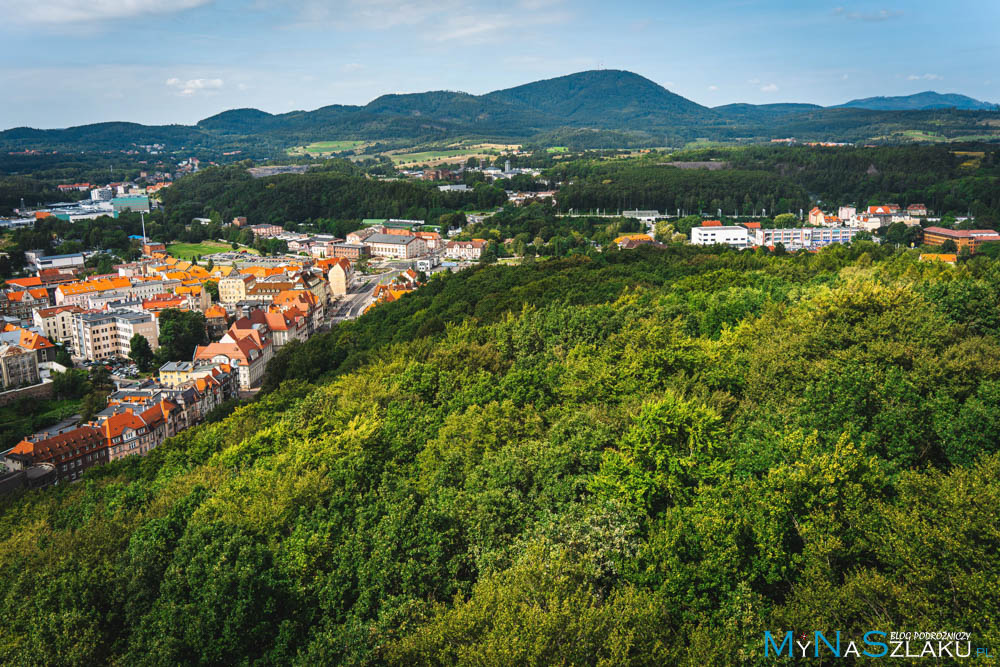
(192, 86)
(844, 77)
(753, 82)
(351, 67)
(713, 88)
(769, 88)
(74, 11)
(924, 77)
(880, 15)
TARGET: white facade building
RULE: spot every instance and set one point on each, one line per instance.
(734, 237)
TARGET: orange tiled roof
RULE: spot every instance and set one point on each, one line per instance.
(33, 281)
(215, 311)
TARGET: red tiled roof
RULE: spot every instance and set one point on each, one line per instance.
(48, 448)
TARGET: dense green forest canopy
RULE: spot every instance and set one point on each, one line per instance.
(641, 457)
(342, 194)
(949, 180)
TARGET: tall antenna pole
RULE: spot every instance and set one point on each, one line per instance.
(142, 217)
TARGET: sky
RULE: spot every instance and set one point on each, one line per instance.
(72, 62)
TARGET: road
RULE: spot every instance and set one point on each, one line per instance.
(360, 296)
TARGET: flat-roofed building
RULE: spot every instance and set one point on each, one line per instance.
(396, 246)
(734, 237)
(805, 237)
(963, 238)
(106, 334)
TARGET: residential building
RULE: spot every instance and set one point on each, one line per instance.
(804, 237)
(340, 276)
(734, 236)
(234, 288)
(71, 452)
(56, 323)
(216, 321)
(963, 238)
(149, 247)
(29, 340)
(306, 303)
(18, 367)
(348, 251)
(21, 303)
(106, 334)
(37, 260)
(265, 231)
(77, 294)
(467, 250)
(360, 236)
(266, 291)
(432, 240)
(244, 354)
(816, 217)
(917, 211)
(847, 213)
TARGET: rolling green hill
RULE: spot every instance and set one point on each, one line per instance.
(925, 101)
(643, 457)
(610, 101)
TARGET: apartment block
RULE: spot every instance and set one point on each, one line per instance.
(106, 334)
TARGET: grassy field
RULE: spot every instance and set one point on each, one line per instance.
(432, 156)
(556, 149)
(189, 250)
(327, 147)
(457, 152)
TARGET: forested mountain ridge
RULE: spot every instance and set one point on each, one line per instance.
(921, 102)
(643, 457)
(609, 100)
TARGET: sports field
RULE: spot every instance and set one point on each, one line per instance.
(189, 250)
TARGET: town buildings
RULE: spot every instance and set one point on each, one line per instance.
(71, 452)
(265, 231)
(56, 323)
(735, 236)
(18, 367)
(234, 288)
(340, 275)
(969, 239)
(467, 250)
(804, 237)
(395, 246)
(21, 303)
(108, 334)
(247, 354)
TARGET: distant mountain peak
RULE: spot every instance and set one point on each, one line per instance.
(925, 101)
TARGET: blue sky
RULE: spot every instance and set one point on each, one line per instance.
(69, 62)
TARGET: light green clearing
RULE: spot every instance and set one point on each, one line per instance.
(189, 250)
